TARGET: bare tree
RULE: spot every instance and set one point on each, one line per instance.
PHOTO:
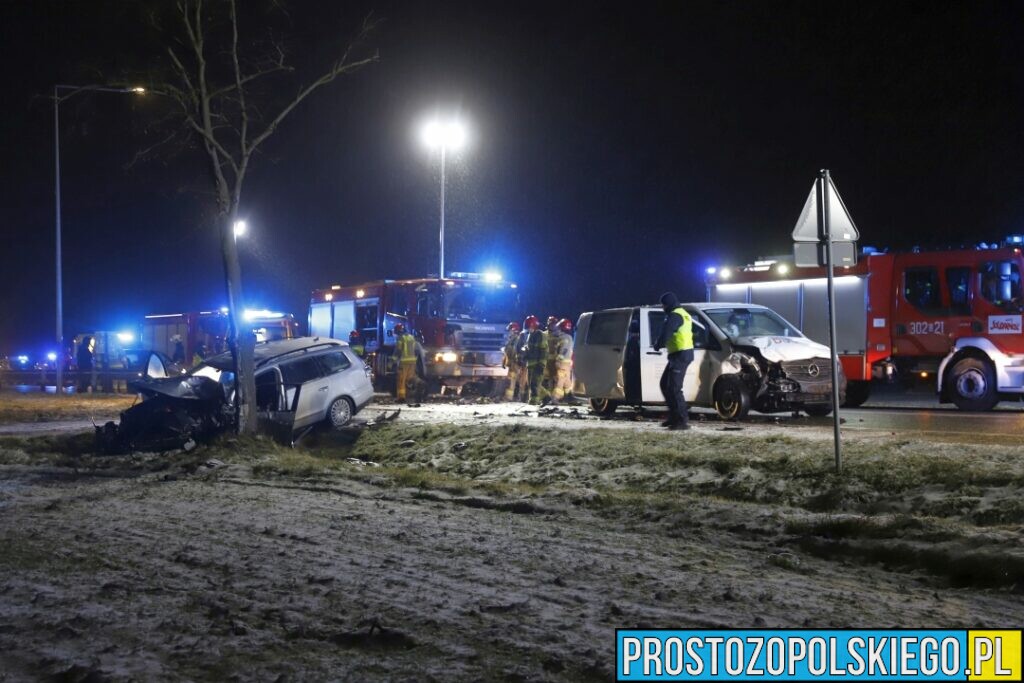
(217, 96)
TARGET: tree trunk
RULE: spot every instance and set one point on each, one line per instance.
(241, 341)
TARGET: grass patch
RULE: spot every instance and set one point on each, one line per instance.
(15, 407)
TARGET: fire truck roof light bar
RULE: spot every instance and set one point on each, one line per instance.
(165, 315)
(738, 286)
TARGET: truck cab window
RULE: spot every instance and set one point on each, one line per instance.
(1000, 284)
(957, 285)
(921, 289)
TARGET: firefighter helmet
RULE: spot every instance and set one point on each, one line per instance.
(531, 323)
(353, 335)
(399, 328)
(552, 322)
(565, 325)
(514, 327)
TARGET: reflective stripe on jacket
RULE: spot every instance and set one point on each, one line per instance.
(682, 338)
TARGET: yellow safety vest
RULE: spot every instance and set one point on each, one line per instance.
(682, 338)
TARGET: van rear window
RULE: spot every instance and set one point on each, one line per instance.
(608, 328)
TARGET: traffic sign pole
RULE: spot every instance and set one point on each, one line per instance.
(824, 184)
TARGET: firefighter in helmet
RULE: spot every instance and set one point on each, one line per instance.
(534, 353)
(356, 343)
(508, 360)
(547, 383)
(405, 353)
(562, 341)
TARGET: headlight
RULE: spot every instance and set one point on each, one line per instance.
(446, 357)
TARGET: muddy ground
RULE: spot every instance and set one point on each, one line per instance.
(499, 545)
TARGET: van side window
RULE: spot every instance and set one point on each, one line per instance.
(957, 284)
(300, 371)
(921, 289)
(655, 321)
(333, 362)
(608, 328)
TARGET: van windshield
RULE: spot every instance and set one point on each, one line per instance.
(751, 322)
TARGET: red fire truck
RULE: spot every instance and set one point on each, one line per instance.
(209, 329)
(954, 314)
(460, 321)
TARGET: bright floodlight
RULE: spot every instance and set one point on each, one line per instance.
(783, 268)
(51, 356)
(449, 135)
(240, 228)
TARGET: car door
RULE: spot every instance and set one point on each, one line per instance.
(652, 363)
(306, 388)
(599, 351)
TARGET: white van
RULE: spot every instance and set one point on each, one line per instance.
(745, 357)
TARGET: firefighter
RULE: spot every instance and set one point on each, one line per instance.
(547, 383)
(676, 336)
(355, 342)
(509, 360)
(534, 353)
(405, 354)
(522, 375)
(563, 343)
(199, 355)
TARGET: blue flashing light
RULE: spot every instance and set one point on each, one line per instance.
(51, 356)
(22, 359)
(711, 270)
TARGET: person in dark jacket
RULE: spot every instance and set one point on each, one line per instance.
(85, 364)
(677, 337)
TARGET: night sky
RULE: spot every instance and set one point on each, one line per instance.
(617, 150)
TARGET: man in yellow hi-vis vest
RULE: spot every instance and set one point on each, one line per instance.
(677, 337)
(405, 353)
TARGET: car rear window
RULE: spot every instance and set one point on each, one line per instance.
(608, 328)
(335, 361)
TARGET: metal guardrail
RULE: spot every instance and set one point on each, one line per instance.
(106, 381)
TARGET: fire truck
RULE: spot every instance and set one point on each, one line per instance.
(954, 315)
(208, 329)
(459, 320)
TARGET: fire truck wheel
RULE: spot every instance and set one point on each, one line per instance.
(732, 400)
(340, 412)
(857, 393)
(972, 385)
(603, 406)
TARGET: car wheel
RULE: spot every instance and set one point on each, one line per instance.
(857, 393)
(732, 400)
(340, 412)
(818, 410)
(972, 385)
(603, 406)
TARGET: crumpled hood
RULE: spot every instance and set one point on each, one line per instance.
(778, 349)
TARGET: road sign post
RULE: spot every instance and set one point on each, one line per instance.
(815, 244)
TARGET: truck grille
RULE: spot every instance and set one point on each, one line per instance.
(813, 370)
(483, 341)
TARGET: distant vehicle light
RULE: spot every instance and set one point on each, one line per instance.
(51, 356)
(125, 337)
(514, 286)
(360, 293)
(139, 90)
(725, 273)
(711, 270)
(449, 284)
(328, 296)
(492, 277)
(224, 310)
(782, 268)
(21, 359)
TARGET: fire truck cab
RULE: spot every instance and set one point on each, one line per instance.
(459, 320)
(954, 314)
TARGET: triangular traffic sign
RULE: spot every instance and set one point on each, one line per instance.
(843, 227)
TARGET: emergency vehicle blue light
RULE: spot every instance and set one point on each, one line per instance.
(251, 314)
(125, 337)
(711, 270)
(1015, 239)
(51, 356)
(21, 359)
(492, 276)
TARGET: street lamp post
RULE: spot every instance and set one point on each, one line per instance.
(444, 136)
(59, 388)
